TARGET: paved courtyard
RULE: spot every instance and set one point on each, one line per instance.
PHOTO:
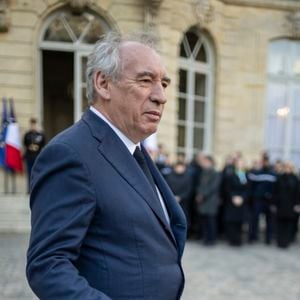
(255, 272)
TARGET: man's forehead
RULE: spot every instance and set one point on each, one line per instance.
(141, 57)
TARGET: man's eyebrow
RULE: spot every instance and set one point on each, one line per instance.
(167, 79)
(145, 73)
(150, 74)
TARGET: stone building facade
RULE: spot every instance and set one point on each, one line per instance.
(219, 55)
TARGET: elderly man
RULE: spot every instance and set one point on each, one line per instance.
(104, 223)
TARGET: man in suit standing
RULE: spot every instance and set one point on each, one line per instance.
(105, 225)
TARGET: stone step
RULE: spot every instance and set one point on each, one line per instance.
(14, 213)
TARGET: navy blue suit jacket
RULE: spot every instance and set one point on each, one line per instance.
(98, 229)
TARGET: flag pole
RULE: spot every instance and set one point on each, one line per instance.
(13, 181)
(5, 181)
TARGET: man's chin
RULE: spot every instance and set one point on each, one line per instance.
(150, 131)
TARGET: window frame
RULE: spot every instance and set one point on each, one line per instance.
(191, 66)
(290, 82)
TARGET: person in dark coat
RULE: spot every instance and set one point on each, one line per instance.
(226, 176)
(34, 141)
(207, 199)
(237, 189)
(286, 204)
(180, 182)
(195, 170)
(262, 190)
(105, 224)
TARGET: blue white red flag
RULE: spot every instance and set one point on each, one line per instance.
(4, 124)
(13, 153)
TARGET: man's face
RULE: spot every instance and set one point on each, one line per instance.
(137, 99)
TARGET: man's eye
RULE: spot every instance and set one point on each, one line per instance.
(145, 80)
(165, 84)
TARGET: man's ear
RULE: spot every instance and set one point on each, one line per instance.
(101, 85)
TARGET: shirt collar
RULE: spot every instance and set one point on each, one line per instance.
(128, 143)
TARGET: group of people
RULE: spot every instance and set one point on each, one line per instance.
(229, 204)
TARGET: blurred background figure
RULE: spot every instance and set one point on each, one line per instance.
(286, 202)
(195, 170)
(180, 183)
(236, 189)
(261, 190)
(278, 166)
(34, 141)
(161, 159)
(207, 199)
(226, 175)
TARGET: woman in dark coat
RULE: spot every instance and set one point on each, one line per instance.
(180, 182)
(286, 204)
(207, 200)
(237, 190)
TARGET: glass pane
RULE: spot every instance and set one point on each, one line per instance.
(295, 141)
(295, 61)
(182, 109)
(85, 104)
(275, 155)
(57, 32)
(181, 136)
(83, 68)
(296, 101)
(192, 39)
(295, 158)
(275, 132)
(199, 110)
(182, 81)
(94, 33)
(277, 56)
(182, 51)
(198, 138)
(200, 80)
(201, 55)
(276, 97)
(77, 23)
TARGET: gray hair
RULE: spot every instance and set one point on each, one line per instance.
(105, 56)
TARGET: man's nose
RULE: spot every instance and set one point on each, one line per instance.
(158, 94)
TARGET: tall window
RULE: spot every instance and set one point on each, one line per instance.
(282, 138)
(194, 125)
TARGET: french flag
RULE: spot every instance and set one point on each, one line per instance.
(13, 155)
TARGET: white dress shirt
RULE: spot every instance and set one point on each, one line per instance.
(130, 145)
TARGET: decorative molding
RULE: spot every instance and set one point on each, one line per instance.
(272, 4)
(4, 20)
(153, 5)
(151, 8)
(77, 6)
(294, 24)
(205, 11)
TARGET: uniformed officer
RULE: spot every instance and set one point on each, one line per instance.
(34, 141)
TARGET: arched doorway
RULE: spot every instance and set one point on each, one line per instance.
(65, 42)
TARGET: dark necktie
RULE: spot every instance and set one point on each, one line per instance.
(141, 160)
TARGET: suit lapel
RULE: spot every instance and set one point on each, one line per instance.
(116, 153)
(177, 218)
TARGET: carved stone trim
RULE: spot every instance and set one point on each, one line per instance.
(153, 5)
(77, 6)
(4, 20)
(273, 4)
(294, 24)
(205, 11)
(151, 8)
